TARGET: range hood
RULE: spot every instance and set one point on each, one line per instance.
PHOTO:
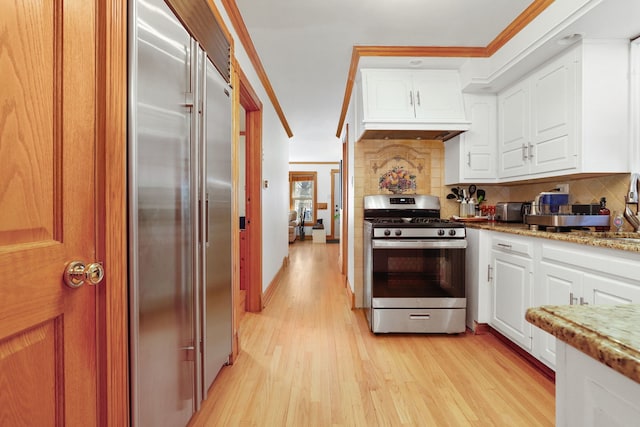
(411, 104)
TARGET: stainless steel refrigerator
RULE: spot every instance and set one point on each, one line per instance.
(179, 218)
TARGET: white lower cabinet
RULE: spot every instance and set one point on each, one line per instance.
(519, 272)
(477, 279)
(556, 285)
(512, 276)
(589, 393)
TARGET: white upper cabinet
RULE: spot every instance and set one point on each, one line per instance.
(388, 95)
(513, 131)
(472, 156)
(569, 116)
(400, 103)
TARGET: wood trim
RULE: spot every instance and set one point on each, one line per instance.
(344, 235)
(482, 328)
(426, 51)
(315, 163)
(111, 172)
(243, 34)
(351, 78)
(275, 283)
(351, 296)
(528, 15)
(253, 143)
(535, 363)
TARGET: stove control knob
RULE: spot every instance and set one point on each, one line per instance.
(387, 232)
(452, 232)
(441, 232)
(398, 232)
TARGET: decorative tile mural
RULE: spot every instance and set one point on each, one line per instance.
(398, 180)
(401, 167)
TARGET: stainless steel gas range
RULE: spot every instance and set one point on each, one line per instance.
(414, 266)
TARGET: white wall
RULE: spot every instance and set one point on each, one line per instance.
(275, 165)
(324, 183)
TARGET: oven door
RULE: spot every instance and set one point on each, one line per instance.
(428, 273)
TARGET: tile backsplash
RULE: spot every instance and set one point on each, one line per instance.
(581, 191)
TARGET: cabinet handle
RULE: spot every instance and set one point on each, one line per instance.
(418, 97)
(530, 151)
(572, 300)
(504, 245)
(583, 302)
(411, 98)
(489, 278)
(469, 158)
(524, 151)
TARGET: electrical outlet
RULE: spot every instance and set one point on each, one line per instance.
(564, 188)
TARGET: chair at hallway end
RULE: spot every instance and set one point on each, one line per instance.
(293, 225)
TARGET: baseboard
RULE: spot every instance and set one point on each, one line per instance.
(481, 328)
(535, 363)
(350, 294)
(268, 293)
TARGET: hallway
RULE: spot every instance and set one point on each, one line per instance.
(309, 360)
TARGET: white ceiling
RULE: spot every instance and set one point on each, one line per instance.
(305, 47)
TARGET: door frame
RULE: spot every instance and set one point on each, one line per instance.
(334, 173)
(253, 223)
(111, 212)
(344, 236)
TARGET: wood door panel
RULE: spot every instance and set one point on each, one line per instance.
(35, 353)
(48, 367)
(27, 65)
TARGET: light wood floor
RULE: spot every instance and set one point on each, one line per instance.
(309, 360)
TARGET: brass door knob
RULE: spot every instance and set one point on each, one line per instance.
(77, 273)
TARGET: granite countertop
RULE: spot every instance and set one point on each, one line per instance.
(611, 240)
(608, 333)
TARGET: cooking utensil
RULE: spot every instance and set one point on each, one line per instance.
(472, 190)
(451, 196)
(481, 193)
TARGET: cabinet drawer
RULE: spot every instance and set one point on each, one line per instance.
(512, 246)
(610, 262)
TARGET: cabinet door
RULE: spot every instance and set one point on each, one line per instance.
(479, 143)
(601, 289)
(553, 101)
(557, 285)
(388, 95)
(511, 296)
(513, 131)
(589, 393)
(437, 95)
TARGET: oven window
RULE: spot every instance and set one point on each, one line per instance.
(418, 273)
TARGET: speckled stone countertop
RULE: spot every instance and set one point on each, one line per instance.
(608, 333)
(625, 241)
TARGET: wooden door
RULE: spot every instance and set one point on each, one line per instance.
(47, 212)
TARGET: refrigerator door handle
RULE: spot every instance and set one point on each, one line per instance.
(206, 213)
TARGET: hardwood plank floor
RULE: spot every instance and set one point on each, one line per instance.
(309, 360)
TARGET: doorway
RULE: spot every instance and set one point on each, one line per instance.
(336, 204)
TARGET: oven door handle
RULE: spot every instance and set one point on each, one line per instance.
(419, 244)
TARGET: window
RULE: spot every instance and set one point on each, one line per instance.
(302, 195)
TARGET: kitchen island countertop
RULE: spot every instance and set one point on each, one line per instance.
(607, 333)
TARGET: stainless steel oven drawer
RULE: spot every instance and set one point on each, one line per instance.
(419, 320)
